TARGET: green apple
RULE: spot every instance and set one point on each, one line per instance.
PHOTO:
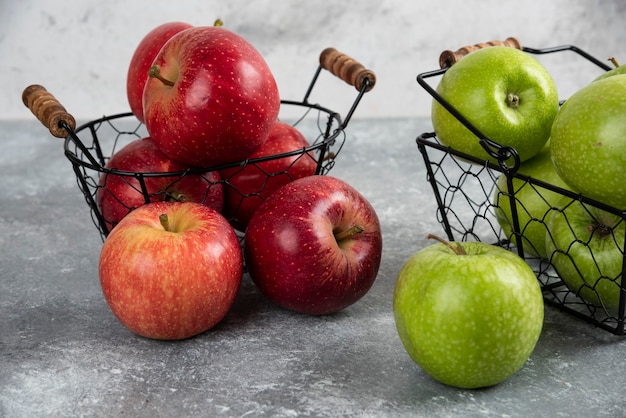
(504, 92)
(468, 313)
(587, 251)
(619, 69)
(531, 201)
(588, 146)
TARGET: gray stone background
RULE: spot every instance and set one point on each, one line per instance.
(80, 49)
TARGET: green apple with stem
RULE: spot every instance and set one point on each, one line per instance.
(505, 93)
(586, 248)
(468, 313)
(531, 201)
(587, 140)
(619, 69)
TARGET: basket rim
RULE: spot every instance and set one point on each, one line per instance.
(90, 162)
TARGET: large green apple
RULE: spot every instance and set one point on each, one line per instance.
(588, 141)
(586, 245)
(469, 314)
(504, 92)
(532, 202)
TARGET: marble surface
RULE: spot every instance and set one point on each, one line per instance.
(80, 49)
(64, 354)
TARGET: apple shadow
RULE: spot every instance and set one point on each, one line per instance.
(248, 304)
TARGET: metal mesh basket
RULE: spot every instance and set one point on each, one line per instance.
(465, 188)
(90, 146)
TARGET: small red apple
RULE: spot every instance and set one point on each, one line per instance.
(211, 98)
(248, 186)
(118, 194)
(171, 270)
(142, 59)
(314, 246)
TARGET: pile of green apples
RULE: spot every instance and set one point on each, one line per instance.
(471, 313)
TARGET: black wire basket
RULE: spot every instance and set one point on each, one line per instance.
(465, 186)
(90, 146)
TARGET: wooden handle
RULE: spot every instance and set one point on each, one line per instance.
(347, 69)
(447, 58)
(48, 110)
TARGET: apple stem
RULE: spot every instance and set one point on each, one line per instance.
(165, 221)
(603, 231)
(218, 23)
(356, 229)
(175, 197)
(155, 72)
(614, 61)
(457, 249)
(513, 100)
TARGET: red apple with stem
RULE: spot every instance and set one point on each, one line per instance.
(314, 246)
(118, 194)
(171, 270)
(142, 59)
(247, 186)
(211, 97)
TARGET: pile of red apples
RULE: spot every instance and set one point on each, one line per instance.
(172, 264)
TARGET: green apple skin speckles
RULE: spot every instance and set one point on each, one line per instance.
(586, 247)
(588, 141)
(468, 321)
(533, 202)
(479, 87)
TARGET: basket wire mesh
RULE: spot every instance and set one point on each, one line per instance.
(90, 146)
(464, 188)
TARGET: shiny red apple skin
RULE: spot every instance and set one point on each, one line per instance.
(142, 59)
(171, 285)
(247, 187)
(291, 252)
(223, 101)
(118, 194)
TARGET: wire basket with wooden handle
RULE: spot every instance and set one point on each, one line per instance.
(468, 193)
(91, 145)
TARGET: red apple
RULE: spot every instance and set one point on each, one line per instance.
(249, 185)
(211, 98)
(314, 246)
(118, 194)
(171, 270)
(142, 59)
